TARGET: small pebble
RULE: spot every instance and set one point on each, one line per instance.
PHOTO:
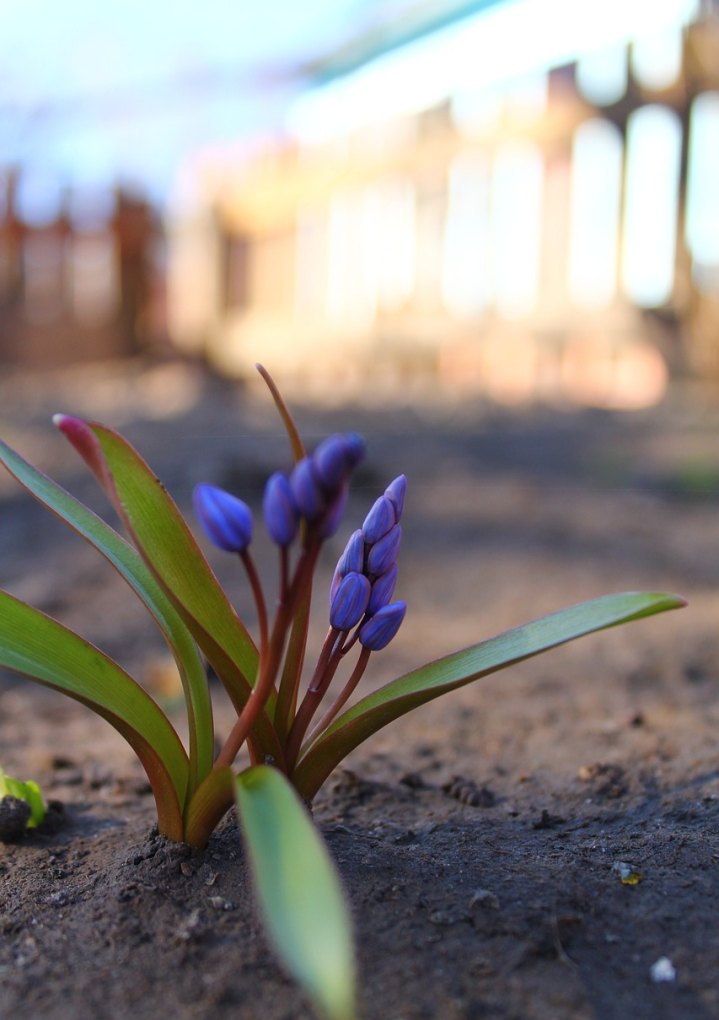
(484, 898)
(628, 873)
(219, 903)
(663, 970)
(14, 816)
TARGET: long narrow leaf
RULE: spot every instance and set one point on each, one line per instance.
(42, 649)
(131, 566)
(298, 890)
(422, 685)
(168, 547)
(298, 448)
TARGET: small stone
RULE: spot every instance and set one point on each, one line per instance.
(608, 780)
(220, 903)
(663, 970)
(548, 820)
(628, 873)
(484, 898)
(61, 898)
(27, 953)
(185, 869)
(14, 816)
(413, 780)
(190, 927)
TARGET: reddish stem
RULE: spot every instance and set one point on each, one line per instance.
(270, 659)
(347, 690)
(259, 598)
(329, 660)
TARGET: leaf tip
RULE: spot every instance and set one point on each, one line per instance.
(668, 600)
(77, 431)
(65, 422)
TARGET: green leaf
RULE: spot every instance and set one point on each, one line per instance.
(28, 791)
(212, 799)
(41, 648)
(130, 565)
(168, 547)
(422, 685)
(298, 890)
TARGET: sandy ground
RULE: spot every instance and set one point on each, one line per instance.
(480, 839)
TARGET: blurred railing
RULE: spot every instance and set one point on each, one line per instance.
(74, 287)
(558, 238)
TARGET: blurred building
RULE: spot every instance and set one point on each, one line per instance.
(80, 275)
(450, 210)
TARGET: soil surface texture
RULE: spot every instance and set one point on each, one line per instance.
(541, 845)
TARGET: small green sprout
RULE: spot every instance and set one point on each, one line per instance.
(21, 806)
(292, 749)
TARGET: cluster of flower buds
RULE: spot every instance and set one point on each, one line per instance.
(316, 491)
(366, 574)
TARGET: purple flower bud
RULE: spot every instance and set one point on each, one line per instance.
(226, 520)
(395, 492)
(331, 460)
(351, 560)
(377, 632)
(383, 553)
(350, 601)
(279, 508)
(382, 590)
(306, 490)
(335, 513)
(337, 578)
(379, 520)
(353, 556)
(356, 449)
(335, 457)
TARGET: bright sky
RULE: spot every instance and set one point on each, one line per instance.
(200, 71)
(95, 91)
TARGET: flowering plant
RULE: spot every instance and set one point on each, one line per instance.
(290, 758)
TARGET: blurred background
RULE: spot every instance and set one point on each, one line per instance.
(510, 199)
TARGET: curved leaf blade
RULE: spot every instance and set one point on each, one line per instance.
(44, 650)
(130, 565)
(296, 444)
(169, 549)
(298, 890)
(428, 682)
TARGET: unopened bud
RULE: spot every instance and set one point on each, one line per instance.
(383, 553)
(332, 462)
(350, 601)
(379, 520)
(382, 590)
(377, 632)
(351, 560)
(353, 556)
(226, 520)
(356, 448)
(335, 513)
(280, 510)
(395, 492)
(306, 490)
(335, 458)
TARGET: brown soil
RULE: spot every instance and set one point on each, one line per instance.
(481, 841)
